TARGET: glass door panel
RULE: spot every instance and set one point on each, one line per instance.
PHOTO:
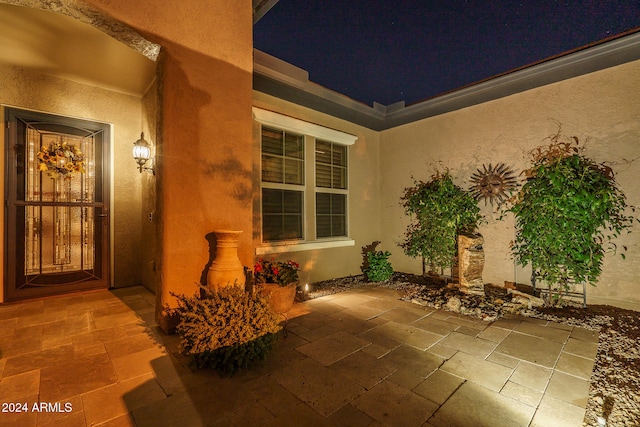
(57, 218)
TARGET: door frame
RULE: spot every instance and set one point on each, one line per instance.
(6, 114)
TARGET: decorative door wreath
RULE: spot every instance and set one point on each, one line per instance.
(493, 184)
(61, 160)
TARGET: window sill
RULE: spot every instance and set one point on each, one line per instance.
(278, 248)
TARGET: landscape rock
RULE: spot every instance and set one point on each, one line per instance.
(453, 304)
(525, 299)
(471, 263)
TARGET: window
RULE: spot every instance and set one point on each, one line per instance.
(283, 185)
(304, 184)
(282, 157)
(331, 189)
(282, 212)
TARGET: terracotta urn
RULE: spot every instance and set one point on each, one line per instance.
(226, 269)
(280, 297)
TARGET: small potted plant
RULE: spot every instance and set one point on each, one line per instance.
(279, 280)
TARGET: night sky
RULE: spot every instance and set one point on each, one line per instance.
(389, 51)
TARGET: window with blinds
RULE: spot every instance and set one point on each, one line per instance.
(331, 215)
(331, 186)
(282, 157)
(282, 185)
(304, 187)
(331, 165)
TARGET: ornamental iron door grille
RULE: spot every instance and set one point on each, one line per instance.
(56, 216)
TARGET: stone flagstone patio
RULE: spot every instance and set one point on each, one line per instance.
(357, 358)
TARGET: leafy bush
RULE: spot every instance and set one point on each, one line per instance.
(376, 267)
(440, 210)
(566, 214)
(226, 330)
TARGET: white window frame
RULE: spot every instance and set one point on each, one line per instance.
(311, 132)
(333, 190)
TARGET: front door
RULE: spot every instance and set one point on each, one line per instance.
(57, 200)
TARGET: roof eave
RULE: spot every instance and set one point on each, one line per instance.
(282, 80)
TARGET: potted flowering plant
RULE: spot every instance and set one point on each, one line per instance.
(281, 272)
(278, 280)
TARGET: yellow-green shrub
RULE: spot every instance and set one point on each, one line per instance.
(227, 330)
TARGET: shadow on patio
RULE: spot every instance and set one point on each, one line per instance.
(358, 358)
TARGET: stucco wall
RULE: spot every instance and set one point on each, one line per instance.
(203, 149)
(602, 108)
(148, 255)
(29, 90)
(363, 207)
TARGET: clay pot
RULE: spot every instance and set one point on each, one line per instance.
(280, 297)
(226, 269)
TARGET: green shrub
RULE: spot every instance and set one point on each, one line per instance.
(376, 265)
(440, 211)
(567, 214)
(227, 330)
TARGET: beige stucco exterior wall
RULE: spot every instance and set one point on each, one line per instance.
(602, 108)
(363, 199)
(33, 91)
(148, 254)
(204, 143)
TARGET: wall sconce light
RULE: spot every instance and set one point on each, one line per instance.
(142, 154)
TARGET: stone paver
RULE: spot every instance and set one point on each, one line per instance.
(358, 358)
(480, 371)
(546, 332)
(404, 315)
(324, 390)
(330, 349)
(494, 334)
(554, 412)
(392, 405)
(568, 388)
(468, 344)
(532, 376)
(412, 365)
(530, 348)
(439, 386)
(408, 334)
(586, 335)
(364, 369)
(474, 405)
(575, 365)
(581, 348)
(350, 416)
(521, 393)
(434, 325)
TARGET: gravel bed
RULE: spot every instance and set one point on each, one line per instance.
(614, 390)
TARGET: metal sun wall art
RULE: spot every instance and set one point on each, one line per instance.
(493, 184)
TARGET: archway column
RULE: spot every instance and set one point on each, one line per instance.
(204, 139)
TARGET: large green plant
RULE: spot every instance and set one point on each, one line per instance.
(439, 211)
(567, 214)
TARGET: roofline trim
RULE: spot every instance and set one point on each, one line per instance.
(280, 79)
